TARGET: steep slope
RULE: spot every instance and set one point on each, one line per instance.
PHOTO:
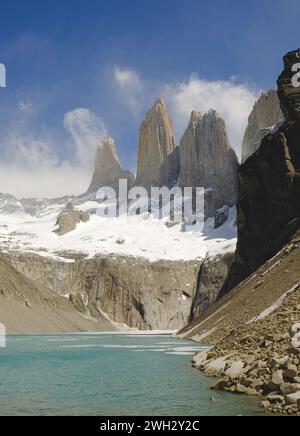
(207, 160)
(266, 114)
(28, 307)
(157, 147)
(108, 172)
(256, 326)
(255, 329)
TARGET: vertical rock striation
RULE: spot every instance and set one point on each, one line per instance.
(157, 154)
(108, 170)
(207, 160)
(266, 113)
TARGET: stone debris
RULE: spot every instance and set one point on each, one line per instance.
(259, 359)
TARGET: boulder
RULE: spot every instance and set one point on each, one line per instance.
(290, 373)
(293, 398)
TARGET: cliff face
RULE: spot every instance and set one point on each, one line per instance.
(211, 278)
(108, 170)
(156, 148)
(26, 306)
(269, 188)
(141, 294)
(264, 116)
(207, 160)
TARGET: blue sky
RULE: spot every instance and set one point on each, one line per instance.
(112, 58)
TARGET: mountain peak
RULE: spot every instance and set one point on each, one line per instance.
(156, 144)
(159, 102)
(108, 169)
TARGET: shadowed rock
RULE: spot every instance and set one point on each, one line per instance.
(269, 188)
(289, 95)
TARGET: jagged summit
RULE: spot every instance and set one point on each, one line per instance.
(156, 144)
(160, 102)
(207, 160)
(108, 170)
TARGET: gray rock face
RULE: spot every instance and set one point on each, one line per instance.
(207, 160)
(142, 294)
(69, 218)
(212, 276)
(28, 307)
(157, 155)
(265, 115)
(108, 170)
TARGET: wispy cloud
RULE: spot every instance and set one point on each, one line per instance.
(87, 131)
(130, 87)
(30, 165)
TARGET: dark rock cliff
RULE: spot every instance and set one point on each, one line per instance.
(269, 187)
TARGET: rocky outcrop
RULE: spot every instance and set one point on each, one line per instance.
(255, 330)
(157, 154)
(288, 93)
(108, 170)
(141, 294)
(269, 191)
(207, 160)
(69, 219)
(265, 115)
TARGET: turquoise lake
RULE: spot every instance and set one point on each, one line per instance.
(108, 374)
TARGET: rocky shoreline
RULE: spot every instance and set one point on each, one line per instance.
(261, 358)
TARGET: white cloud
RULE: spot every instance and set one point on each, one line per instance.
(30, 165)
(130, 87)
(231, 100)
(128, 79)
(46, 181)
(87, 131)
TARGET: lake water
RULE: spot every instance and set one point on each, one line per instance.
(108, 375)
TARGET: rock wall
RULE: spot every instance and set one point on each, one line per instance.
(265, 115)
(211, 278)
(26, 306)
(156, 145)
(269, 190)
(207, 160)
(141, 294)
(108, 171)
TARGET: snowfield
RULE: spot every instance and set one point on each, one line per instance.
(29, 225)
